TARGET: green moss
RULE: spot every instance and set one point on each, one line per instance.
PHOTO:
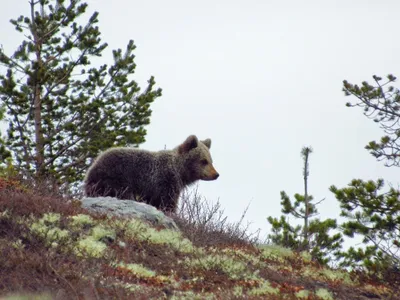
(306, 256)
(56, 234)
(276, 252)
(28, 297)
(50, 218)
(173, 238)
(93, 244)
(46, 227)
(329, 275)
(18, 245)
(303, 294)
(377, 289)
(189, 295)
(131, 287)
(264, 289)
(323, 294)
(100, 232)
(238, 291)
(90, 246)
(255, 260)
(138, 269)
(131, 228)
(139, 230)
(81, 220)
(234, 269)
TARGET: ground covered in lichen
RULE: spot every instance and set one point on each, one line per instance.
(52, 248)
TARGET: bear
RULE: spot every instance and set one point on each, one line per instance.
(155, 178)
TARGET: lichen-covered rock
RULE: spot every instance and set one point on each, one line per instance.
(128, 208)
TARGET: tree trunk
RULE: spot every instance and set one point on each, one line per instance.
(306, 151)
(37, 100)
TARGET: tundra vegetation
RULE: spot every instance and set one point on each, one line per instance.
(63, 107)
(54, 248)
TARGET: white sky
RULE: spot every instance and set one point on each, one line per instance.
(262, 79)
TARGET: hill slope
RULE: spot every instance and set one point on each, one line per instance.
(53, 248)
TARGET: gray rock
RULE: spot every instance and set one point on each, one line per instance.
(128, 208)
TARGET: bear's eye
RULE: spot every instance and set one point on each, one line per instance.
(204, 162)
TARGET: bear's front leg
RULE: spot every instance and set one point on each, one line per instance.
(169, 201)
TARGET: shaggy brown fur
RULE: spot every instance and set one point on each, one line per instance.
(156, 178)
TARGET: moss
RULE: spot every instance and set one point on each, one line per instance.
(189, 295)
(329, 274)
(50, 218)
(131, 228)
(139, 230)
(307, 257)
(264, 289)
(28, 297)
(238, 291)
(170, 237)
(324, 294)
(303, 294)
(234, 269)
(378, 289)
(138, 269)
(81, 220)
(18, 245)
(90, 246)
(94, 244)
(47, 229)
(255, 260)
(131, 287)
(276, 252)
(100, 232)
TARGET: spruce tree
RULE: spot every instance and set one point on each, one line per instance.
(61, 109)
(313, 236)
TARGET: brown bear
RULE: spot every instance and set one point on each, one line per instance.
(156, 178)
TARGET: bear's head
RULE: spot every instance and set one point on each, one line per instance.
(196, 158)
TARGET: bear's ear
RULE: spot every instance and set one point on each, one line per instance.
(207, 142)
(190, 143)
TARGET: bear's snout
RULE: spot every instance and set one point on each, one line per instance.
(210, 174)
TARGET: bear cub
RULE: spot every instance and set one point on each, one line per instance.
(156, 178)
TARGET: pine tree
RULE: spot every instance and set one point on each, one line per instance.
(61, 110)
(313, 236)
(373, 215)
(376, 217)
(380, 102)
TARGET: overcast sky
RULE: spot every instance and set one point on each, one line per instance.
(262, 79)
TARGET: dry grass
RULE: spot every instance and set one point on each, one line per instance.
(205, 224)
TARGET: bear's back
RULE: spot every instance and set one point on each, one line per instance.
(141, 170)
(126, 162)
